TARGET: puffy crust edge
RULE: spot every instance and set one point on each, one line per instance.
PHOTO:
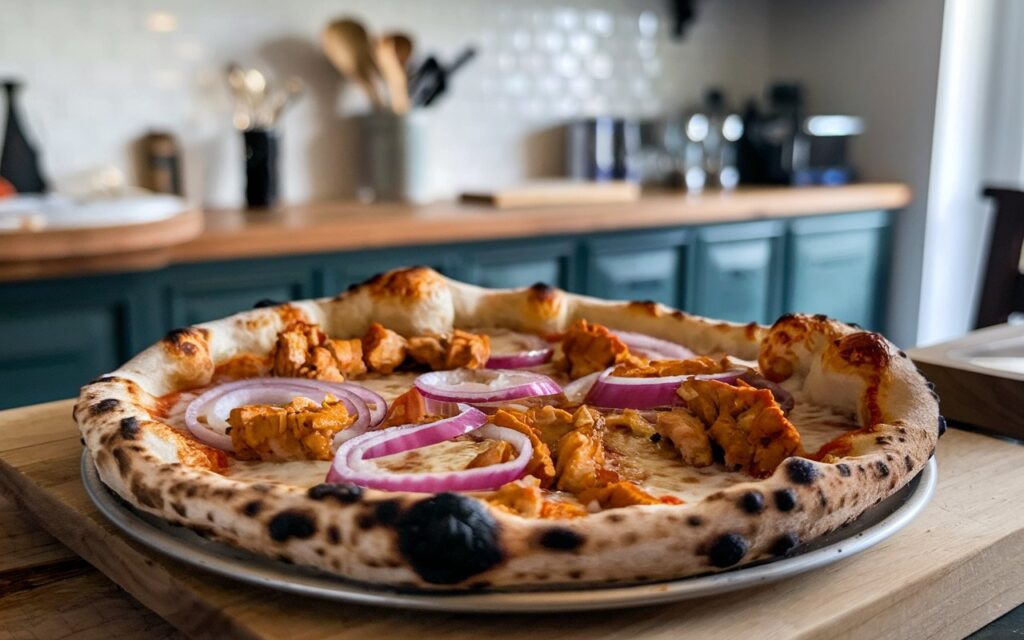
(371, 536)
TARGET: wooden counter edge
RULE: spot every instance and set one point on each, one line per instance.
(348, 226)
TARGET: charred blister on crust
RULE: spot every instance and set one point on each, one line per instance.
(104, 406)
(752, 502)
(345, 493)
(882, 469)
(146, 495)
(942, 425)
(124, 462)
(386, 512)
(864, 349)
(187, 341)
(252, 508)
(291, 524)
(129, 428)
(694, 521)
(785, 499)
(449, 538)
(844, 469)
(263, 303)
(649, 307)
(801, 471)
(727, 550)
(785, 544)
(560, 539)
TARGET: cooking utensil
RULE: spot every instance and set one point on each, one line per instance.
(392, 54)
(348, 48)
(432, 78)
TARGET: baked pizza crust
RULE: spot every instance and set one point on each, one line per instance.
(448, 541)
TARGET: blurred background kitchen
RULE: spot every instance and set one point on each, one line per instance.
(166, 163)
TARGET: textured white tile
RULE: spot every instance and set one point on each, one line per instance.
(98, 76)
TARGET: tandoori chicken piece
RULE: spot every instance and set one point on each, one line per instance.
(632, 420)
(526, 499)
(699, 365)
(460, 349)
(300, 430)
(496, 452)
(589, 348)
(541, 465)
(688, 435)
(408, 408)
(383, 349)
(348, 354)
(747, 423)
(301, 352)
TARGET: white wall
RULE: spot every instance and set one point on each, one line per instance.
(98, 78)
(878, 59)
(979, 137)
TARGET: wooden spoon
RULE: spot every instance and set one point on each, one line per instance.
(347, 46)
(393, 51)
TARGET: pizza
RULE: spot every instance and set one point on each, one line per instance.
(419, 432)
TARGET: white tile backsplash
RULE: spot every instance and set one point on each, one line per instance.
(100, 73)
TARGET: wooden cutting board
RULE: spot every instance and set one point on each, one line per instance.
(972, 387)
(546, 193)
(955, 568)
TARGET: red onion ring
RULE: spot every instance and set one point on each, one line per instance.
(475, 386)
(645, 393)
(577, 390)
(653, 348)
(350, 461)
(215, 405)
(537, 352)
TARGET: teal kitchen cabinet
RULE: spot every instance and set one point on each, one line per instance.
(340, 271)
(519, 264)
(637, 266)
(736, 272)
(56, 336)
(837, 267)
(191, 294)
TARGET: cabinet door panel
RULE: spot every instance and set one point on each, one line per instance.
(838, 274)
(641, 275)
(199, 294)
(738, 273)
(49, 354)
(527, 263)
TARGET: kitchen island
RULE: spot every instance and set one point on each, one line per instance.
(746, 256)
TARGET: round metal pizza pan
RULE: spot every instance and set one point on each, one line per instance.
(875, 525)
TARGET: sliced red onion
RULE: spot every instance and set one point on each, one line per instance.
(577, 390)
(783, 397)
(645, 393)
(350, 461)
(535, 351)
(475, 386)
(215, 405)
(653, 348)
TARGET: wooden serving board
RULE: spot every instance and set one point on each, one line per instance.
(970, 389)
(955, 568)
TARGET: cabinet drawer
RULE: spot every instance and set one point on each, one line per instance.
(198, 294)
(507, 267)
(49, 355)
(737, 273)
(838, 272)
(643, 266)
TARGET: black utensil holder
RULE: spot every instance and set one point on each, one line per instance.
(261, 179)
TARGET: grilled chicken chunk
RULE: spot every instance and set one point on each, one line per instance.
(300, 430)
(688, 435)
(303, 351)
(383, 349)
(746, 422)
(698, 365)
(526, 499)
(541, 465)
(460, 349)
(589, 348)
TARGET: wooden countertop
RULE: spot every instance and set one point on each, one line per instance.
(955, 568)
(326, 227)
